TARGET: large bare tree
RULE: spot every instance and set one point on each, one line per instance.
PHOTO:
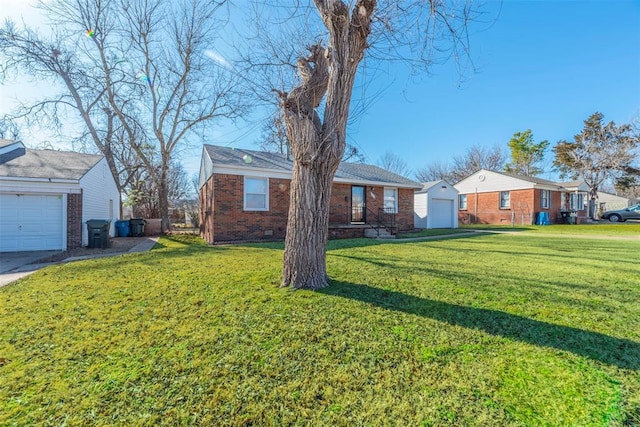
(316, 110)
(146, 68)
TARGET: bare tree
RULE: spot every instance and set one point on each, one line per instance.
(9, 129)
(393, 163)
(435, 171)
(316, 110)
(475, 158)
(461, 166)
(145, 68)
(600, 152)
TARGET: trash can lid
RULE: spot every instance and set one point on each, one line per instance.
(97, 222)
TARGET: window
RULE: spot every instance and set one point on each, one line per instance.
(545, 200)
(576, 201)
(391, 200)
(504, 200)
(256, 194)
(462, 202)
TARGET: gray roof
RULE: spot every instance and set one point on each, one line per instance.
(572, 184)
(49, 164)
(356, 172)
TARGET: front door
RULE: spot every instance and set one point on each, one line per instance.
(358, 204)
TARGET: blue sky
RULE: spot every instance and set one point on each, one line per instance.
(541, 65)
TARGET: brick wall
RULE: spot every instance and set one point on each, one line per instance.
(523, 207)
(74, 221)
(223, 219)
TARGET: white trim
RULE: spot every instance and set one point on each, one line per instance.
(244, 194)
(47, 180)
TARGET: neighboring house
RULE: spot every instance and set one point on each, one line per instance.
(611, 202)
(489, 197)
(436, 205)
(244, 196)
(47, 196)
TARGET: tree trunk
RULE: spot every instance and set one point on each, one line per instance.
(163, 198)
(317, 146)
(307, 228)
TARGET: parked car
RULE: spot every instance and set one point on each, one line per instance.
(632, 212)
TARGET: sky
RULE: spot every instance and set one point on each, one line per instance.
(539, 65)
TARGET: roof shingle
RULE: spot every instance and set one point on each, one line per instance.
(49, 164)
(238, 157)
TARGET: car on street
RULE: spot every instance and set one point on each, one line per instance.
(621, 215)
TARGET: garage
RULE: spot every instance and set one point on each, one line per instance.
(436, 205)
(441, 213)
(31, 222)
(47, 196)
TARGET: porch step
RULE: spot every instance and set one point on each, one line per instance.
(378, 233)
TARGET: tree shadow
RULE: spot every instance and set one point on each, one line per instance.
(619, 352)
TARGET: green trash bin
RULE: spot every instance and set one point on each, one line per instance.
(137, 227)
(98, 233)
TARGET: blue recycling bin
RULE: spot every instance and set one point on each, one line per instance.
(543, 218)
(123, 228)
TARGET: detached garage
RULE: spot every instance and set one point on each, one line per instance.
(436, 205)
(46, 197)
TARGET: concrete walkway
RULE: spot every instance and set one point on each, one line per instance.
(21, 264)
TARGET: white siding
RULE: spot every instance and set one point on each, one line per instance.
(612, 202)
(98, 189)
(485, 181)
(420, 210)
(436, 206)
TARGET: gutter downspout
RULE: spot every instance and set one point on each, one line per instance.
(476, 214)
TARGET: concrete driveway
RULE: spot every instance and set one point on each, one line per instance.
(12, 260)
(16, 265)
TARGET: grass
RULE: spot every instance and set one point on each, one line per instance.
(429, 232)
(482, 330)
(597, 229)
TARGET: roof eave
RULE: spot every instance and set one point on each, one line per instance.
(46, 180)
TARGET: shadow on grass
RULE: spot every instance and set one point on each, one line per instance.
(618, 352)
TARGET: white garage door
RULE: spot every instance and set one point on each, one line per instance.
(31, 223)
(441, 213)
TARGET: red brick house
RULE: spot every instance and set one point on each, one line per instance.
(490, 197)
(244, 196)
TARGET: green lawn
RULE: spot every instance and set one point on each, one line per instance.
(486, 330)
(630, 228)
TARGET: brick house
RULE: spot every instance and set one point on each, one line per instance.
(244, 196)
(46, 197)
(490, 197)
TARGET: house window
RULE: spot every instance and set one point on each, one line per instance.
(545, 200)
(256, 194)
(576, 201)
(391, 200)
(504, 200)
(462, 202)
